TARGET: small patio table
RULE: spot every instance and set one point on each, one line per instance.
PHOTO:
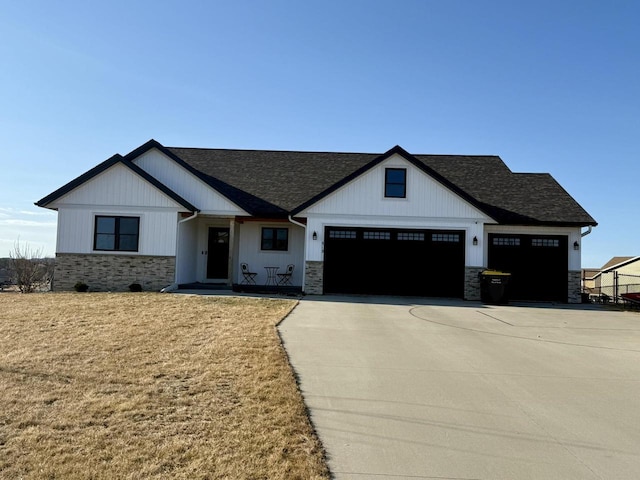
(272, 279)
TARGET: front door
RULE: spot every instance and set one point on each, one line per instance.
(218, 253)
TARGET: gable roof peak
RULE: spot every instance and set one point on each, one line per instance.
(107, 164)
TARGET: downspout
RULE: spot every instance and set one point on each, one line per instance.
(584, 234)
(174, 285)
(304, 253)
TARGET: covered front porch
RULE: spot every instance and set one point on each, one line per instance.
(212, 250)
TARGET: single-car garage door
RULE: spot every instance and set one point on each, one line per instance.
(394, 261)
(538, 265)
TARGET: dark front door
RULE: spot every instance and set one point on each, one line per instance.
(218, 256)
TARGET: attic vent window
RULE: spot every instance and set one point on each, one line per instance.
(395, 182)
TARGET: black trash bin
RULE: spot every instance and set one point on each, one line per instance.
(494, 286)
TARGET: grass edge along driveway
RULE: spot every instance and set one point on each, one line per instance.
(125, 385)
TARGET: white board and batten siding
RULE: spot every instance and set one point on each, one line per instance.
(428, 205)
(186, 259)
(187, 185)
(250, 252)
(157, 230)
(118, 191)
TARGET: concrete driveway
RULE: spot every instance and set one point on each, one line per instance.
(418, 388)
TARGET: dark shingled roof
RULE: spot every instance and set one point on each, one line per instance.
(279, 183)
(285, 181)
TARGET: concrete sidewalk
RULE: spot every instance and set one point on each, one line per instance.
(414, 388)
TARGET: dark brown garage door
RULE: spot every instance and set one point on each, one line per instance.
(538, 265)
(394, 262)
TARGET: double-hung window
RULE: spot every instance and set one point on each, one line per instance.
(395, 182)
(275, 239)
(119, 234)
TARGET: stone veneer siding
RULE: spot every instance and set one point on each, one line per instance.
(575, 286)
(314, 278)
(114, 273)
(472, 282)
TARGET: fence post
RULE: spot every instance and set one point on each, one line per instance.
(615, 285)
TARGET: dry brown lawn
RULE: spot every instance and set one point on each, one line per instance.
(149, 386)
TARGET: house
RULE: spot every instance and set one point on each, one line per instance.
(391, 223)
(618, 275)
(588, 280)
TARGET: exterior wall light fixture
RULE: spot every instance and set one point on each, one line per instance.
(576, 245)
(315, 236)
(475, 240)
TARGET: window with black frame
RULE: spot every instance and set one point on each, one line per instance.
(276, 239)
(115, 233)
(395, 182)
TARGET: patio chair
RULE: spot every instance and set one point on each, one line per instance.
(249, 277)
(285, 278)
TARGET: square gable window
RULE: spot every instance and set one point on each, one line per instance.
(118, 234)
(275, 239)
(395, 182)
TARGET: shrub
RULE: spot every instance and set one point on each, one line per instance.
(28, 269)
(81, 287)
(135, 287)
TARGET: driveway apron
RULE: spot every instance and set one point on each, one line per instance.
(429, 389)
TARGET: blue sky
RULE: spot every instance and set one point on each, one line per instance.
(550, 86)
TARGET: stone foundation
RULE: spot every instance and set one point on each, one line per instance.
(575, 287)
(113, 273)
(472, 282)
(314, 278)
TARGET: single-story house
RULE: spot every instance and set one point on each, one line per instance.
(618, 275)
(362, 223)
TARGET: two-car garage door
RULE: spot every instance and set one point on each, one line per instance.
(394, 261)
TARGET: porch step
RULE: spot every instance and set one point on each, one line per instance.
(268, 289)
(203, 286)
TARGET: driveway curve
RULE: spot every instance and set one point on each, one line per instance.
(402, 388)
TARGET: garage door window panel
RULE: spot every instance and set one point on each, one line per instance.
(545, 242)
(376, 235)
(411, 236)
(506, 241)
(343, 234)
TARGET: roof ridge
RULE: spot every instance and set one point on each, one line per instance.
(330, 152)
(272, 151)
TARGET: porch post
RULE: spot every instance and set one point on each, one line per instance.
(232, 251)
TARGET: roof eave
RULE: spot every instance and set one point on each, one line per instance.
(102, 167)
(621, 264)
(76, 182)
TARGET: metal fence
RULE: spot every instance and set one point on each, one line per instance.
(612, 285)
